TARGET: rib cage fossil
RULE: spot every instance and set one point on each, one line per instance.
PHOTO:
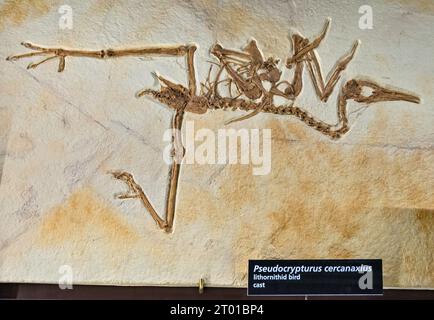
(247, 71)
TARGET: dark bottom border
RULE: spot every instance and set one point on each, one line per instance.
(50, 291)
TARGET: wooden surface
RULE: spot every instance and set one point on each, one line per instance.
(46, 291)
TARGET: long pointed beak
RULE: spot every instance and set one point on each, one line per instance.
(391, 95)
(355, 89)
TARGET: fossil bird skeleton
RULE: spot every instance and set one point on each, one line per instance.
(248, 71)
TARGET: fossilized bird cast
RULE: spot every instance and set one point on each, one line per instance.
(246, 74)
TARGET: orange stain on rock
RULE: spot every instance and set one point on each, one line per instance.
(85, 217)
(18, 11)
(327, 199)
(419, 6)
(425, 218)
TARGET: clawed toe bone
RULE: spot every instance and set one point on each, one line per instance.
(53, 53)
(121, 175)
(41, 51)
(135, 191)
(33, 65)
(143, 92)
(32, 46)
(122, 196)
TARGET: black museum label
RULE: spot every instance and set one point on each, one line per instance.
(315, 277)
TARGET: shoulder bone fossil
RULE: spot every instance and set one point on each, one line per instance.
(246, 72)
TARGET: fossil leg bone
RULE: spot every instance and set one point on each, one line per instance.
(293, 88)
(175, 50)
(310, 46)
(324, 90)
(135, 191)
